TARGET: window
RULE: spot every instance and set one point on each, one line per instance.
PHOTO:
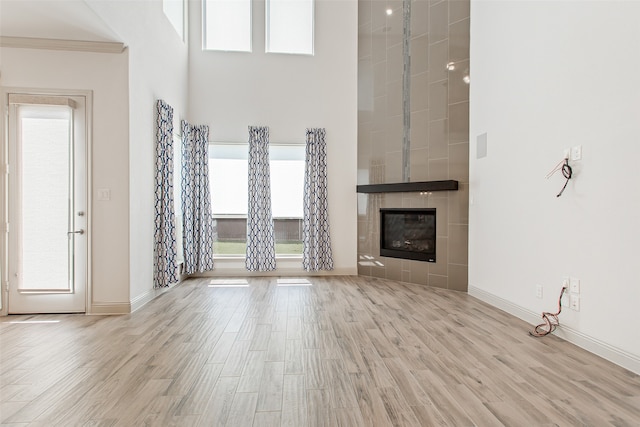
(174, 10)
(227, 25)
(228, 172)
(289, 25)
(45, 174)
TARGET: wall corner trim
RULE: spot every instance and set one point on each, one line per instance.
(613, 354)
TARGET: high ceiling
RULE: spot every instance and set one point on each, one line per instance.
(53, 19)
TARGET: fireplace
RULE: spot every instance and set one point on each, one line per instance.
(408, 234)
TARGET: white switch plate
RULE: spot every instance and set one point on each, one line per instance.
(104, 194)
(575, 285)
(576, 152)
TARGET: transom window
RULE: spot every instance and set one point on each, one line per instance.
(227, 25)
(289, 24)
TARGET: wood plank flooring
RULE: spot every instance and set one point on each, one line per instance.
(346, 351)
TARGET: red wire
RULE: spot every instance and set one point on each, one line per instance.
(550, 320)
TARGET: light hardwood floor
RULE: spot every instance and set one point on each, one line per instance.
(348, 351)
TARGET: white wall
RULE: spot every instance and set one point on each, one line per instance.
(546, 76)
(106, 76)
(229, 91)
(157, 69)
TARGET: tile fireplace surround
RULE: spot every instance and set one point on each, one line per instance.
(438, 111)
(450, 269)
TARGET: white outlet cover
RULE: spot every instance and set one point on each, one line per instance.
(574, 302)
(574, 285)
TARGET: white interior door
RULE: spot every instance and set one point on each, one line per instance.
(47, 204)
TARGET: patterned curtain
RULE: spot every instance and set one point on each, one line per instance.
(165, 266)
(316, 243)
(261, 248)
(197, 221)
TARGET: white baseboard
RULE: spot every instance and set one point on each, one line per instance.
(613, 354)
(110, 308)
(130, 307)
(141, 300)
(276, 273)
(285, 267)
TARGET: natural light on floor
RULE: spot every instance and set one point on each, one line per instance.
(229, 283)
(294, 282)
(33, 321)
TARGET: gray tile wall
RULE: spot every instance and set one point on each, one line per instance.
(439, 131)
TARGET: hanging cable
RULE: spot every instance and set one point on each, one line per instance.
(550, 319)
(567, 172)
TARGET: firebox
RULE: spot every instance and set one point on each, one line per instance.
(408, 233)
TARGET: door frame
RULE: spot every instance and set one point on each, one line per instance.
(4, 185)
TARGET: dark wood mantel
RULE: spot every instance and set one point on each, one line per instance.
(406, 187)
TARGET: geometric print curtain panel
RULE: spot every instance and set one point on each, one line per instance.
(261, 251)
(197, 221)
(316, 242)
(165, 263)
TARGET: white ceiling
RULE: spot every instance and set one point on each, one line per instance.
(53, 19)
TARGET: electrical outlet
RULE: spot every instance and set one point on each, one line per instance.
(539, 291)
(574, 302)
(566, 283)
(574, 285)
(566, 153)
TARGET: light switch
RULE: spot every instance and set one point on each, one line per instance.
(104, 194)
(576, 152)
